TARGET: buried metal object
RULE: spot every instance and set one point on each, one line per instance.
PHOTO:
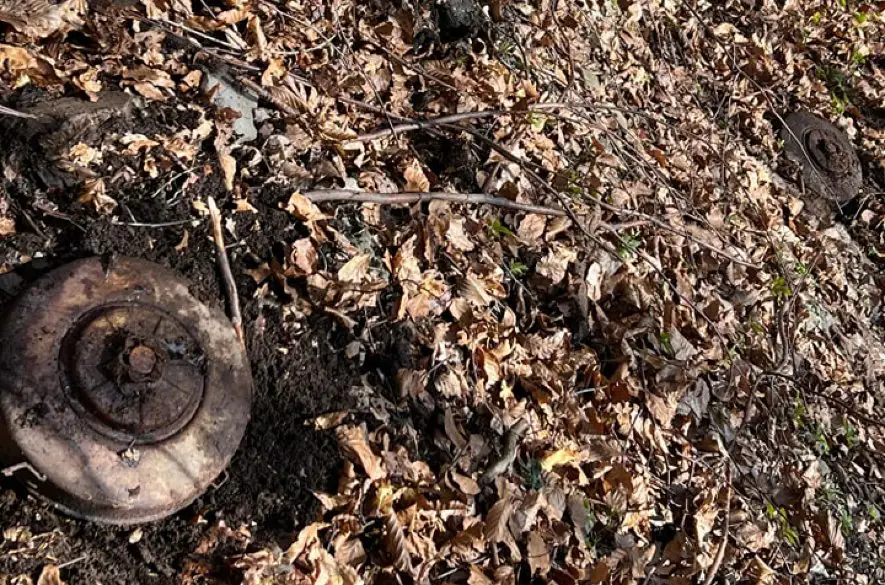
(830, 165)
(122, 397)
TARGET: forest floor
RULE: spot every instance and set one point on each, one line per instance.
(671, 371)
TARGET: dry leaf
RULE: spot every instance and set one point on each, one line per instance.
(303, 256)
(467, 485)
(303, 208)
(496, 529)
(663, 409)
(395, 544)
(416, 180)
(324, 422)
(94, 194)
(477, 577)
(356, 269)
(532, 227)
(558, 457)
(7, 226)
(50, 575)
(457, 237)
(355, 445)
(228, 168)
(276, 69)
(42, 19)
(538, 554)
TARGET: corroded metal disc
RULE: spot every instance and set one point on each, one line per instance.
(122, 397)
(830, 165)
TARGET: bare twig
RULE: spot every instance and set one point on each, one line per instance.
(233, 298)
(15, 113)
(322, 195)
(508, 454)
(72, 562)
(423, 124)
(161, 224)
(720, 554)
(12, 469)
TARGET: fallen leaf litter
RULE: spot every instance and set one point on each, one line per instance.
(692, 353)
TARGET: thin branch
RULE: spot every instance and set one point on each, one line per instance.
(321, 195)
(423, 124)
(161, 224)
(720, 554)
(230, 287)
(15, 113)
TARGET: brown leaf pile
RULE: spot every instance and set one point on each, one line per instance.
(692, 313)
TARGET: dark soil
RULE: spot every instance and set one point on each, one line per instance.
(299, 372)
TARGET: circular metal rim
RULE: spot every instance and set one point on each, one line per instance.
(838, 189)
(91, 419)
(216, 430)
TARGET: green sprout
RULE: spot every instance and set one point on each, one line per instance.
(518, 269)
(629, 244)
(498, 229)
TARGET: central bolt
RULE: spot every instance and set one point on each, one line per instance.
(142, 360)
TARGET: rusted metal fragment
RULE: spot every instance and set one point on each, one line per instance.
(120, 388)
(830, 165)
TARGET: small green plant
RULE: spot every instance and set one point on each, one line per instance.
(800, 411)
(518, 269)
(850, 433)
(498, 229)
(873, 512)
(538, 121)
(861, 17)
(779, 515)
(838, 105)
(801, 269)
(780, 289)
(629, 244)
(821, 442)
(831, 495)
(533, 474)
(858, 59)
(666, 345)
(847, 523)
(506, 48)
(815, 18)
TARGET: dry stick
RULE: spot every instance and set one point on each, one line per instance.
(230, 287)
(447, 122)
(423, 124)
(321, 195)
(413, 125)
(720, 554)
(614, 209)
(16, 113)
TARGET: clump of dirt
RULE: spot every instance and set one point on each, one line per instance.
(458, 19)
(299, 372)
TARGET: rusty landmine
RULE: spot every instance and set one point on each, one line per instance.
(122, 397)
(830, 165)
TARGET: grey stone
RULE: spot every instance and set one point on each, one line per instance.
(228, 96)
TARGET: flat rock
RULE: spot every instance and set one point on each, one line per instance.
(228, 96)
